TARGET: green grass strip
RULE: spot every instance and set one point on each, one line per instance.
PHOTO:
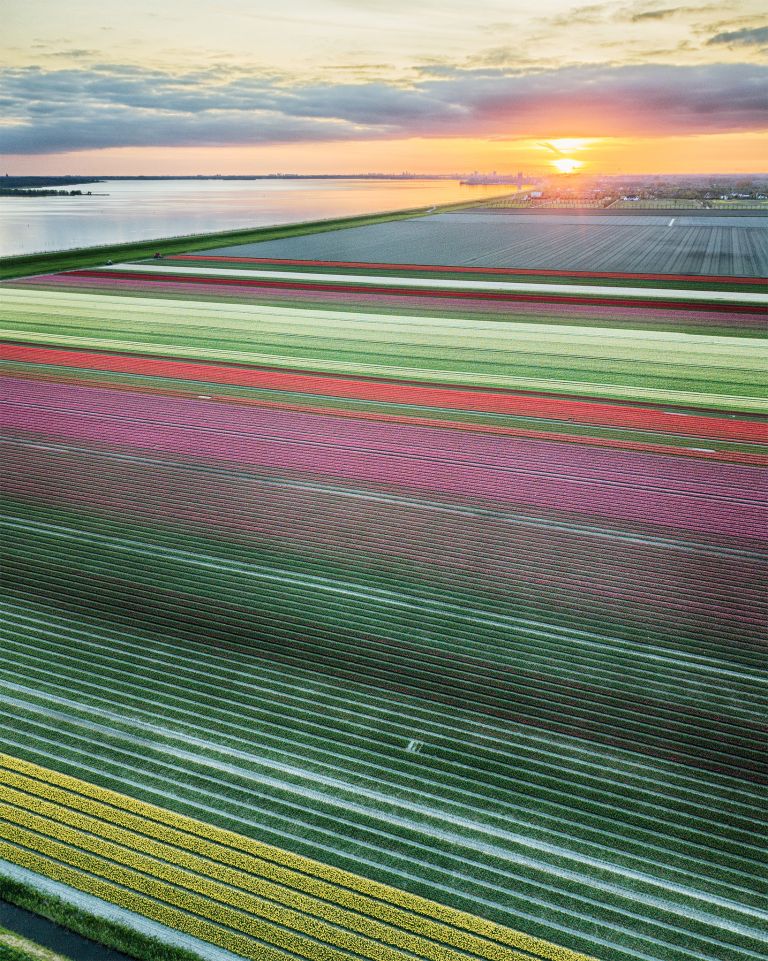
(110, 933)
(15, 947)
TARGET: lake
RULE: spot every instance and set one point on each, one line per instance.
(151, 209)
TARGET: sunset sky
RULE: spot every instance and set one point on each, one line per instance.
(245, 86)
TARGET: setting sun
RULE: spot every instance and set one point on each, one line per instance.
(567, 165)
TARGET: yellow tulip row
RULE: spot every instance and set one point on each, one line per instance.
(237, 871)
(255, 914)
(328, 911)
(276, 927)
(140, 904)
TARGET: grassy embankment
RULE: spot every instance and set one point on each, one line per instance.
(13, 947)
(73, 918)
(16, 947)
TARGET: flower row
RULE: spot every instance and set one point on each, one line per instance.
(316, 899)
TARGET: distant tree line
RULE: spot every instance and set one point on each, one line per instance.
(10, 192)
(22, 183)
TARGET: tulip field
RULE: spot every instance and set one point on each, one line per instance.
(668, 243)
(390, 611)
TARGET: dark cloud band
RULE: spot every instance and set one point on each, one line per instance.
(111, 106)
(756, 37)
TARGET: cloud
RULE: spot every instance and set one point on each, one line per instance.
(57, 111)
(656, 14)
(76, 53)
(750, 37)
(589, 14)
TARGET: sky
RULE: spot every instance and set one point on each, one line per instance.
(325, 86)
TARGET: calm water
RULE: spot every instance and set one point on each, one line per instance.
(144, 210)
(54, 937)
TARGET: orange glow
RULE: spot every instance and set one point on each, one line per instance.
(567, 165)
(731, 152)
(569, 145)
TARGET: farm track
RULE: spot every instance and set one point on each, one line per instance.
(336, 629)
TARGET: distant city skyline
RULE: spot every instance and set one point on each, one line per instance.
(329, 85)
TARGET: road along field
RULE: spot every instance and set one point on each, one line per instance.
(352, 624)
